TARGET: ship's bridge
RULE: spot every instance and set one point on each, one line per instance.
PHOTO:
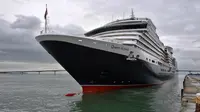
(141, 24)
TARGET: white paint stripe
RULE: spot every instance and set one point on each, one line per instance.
(89, 42)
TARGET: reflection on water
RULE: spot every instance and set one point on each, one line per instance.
(164, 98)
(46, 93)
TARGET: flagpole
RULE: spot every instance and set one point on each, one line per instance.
(45, 27)
(45, 30)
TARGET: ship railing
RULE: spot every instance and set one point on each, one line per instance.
(59, 33)
(42, 32)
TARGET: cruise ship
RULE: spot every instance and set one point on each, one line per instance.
(121, 54)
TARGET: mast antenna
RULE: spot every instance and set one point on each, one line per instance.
(132, 14)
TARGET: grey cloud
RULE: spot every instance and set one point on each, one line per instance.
(182, 18)
(26, 22)
(17, 40)
(171, 17)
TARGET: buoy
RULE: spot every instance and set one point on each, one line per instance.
(70, 94)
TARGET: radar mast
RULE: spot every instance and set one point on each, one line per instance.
(132, 14)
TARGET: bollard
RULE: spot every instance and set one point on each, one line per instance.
(181, 93)
(197, 102)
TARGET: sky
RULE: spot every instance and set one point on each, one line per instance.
(177, 22)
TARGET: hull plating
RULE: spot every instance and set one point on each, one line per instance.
(90, 66)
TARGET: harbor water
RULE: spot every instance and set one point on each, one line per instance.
(46, 93)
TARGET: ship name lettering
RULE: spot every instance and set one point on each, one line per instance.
(117, 47)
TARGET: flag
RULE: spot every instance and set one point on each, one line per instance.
(46, 12)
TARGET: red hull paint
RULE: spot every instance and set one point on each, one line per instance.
(104, 88)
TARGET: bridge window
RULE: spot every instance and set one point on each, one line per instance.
(116, 27)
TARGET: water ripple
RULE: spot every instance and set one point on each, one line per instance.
(24, 93)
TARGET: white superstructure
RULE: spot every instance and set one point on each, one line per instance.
(140, 34)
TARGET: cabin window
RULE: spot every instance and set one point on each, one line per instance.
(153, 61)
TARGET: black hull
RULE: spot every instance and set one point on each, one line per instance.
(90, 66)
